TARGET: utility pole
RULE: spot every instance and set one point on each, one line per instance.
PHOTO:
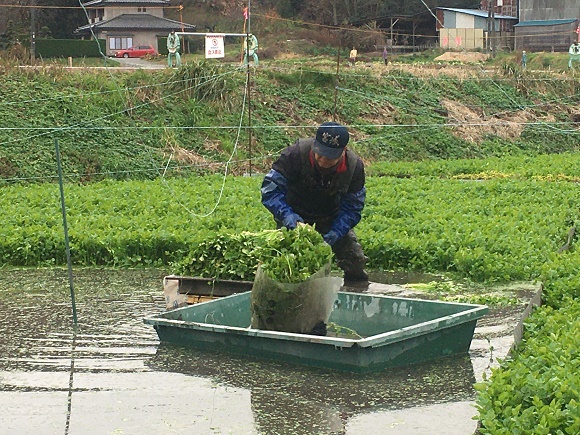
(493, 35)
(491, 28)
(185, 43)
(337, 75)
(246, 39)
(488, 41)
(33, 32)
(249, 90)
(181, 16)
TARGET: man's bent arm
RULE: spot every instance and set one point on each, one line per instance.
(274, 188)
(349, 215)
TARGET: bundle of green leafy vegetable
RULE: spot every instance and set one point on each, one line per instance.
(286, 256)
(292, 256)
(293, 290)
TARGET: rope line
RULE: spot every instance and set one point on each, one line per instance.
(226, 165)
(282, 127)
(90, 121)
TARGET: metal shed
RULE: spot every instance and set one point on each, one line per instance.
(546, 35)
(471, 29)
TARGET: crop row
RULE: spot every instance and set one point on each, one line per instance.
(553, 167)
(495, 230)
(537, 390)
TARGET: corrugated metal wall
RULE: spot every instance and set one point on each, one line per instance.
(549, 9)
(546, 38)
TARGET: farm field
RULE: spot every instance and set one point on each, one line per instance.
(473, 177)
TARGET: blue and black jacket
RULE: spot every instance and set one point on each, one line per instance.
(297, 190)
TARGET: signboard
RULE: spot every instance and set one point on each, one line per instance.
(214, 46)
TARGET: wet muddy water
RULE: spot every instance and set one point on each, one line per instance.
(110, 375)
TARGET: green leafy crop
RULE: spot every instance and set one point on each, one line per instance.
(293, 256)
(286, 256)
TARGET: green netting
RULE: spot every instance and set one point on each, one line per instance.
(293, 307)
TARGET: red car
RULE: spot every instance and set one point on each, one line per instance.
(137, 51)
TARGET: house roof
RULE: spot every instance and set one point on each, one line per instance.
(479, 13)
(545, 22)
(103, 3)
(137, 22)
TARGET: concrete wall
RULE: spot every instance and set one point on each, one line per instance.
(549, 9)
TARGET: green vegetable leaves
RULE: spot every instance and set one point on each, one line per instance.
(293, 256)
(286, 256)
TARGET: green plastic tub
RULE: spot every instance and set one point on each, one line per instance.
(390, 331)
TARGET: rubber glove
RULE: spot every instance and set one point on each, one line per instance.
(331, 237)
(291, 220)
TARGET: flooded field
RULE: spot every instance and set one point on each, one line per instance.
(111, 374)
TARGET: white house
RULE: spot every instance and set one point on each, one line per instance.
(125, 23)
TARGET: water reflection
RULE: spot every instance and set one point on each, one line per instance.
(36, 319)
(115, 375)
(294, 399)
(399, 278)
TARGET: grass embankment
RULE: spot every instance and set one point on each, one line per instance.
(127, 125)
(419, 216)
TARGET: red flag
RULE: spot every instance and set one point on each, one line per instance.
(246, 13)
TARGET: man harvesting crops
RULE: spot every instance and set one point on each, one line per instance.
(321, 182)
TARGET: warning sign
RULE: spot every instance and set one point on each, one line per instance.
(214, 46)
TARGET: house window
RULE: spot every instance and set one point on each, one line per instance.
(120, 43)
(92, 16)
(141, 9)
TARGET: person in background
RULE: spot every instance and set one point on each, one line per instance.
(385, 56)
(524, 59)
(352, 56)
(321, 182)
(173, 44)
